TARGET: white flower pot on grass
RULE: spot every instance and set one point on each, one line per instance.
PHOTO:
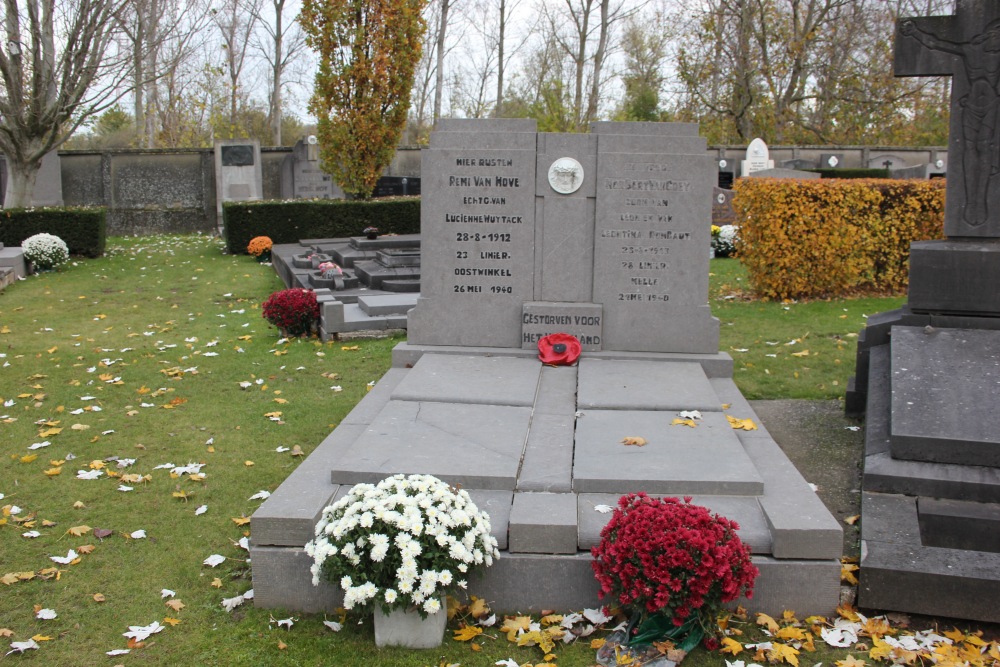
(405, 628)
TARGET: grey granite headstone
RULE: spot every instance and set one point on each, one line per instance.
(303, 178)
(238, 175)
(799, 163)
(890, 162)
(615, 222)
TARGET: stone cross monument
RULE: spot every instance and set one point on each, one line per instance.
(928, 374)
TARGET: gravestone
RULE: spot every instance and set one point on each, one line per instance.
(727, 173)
(890, 162)
(397, 186)
(722, 207)
(606, 236)
(237, 172)
(926, 374)
(799, 164)
(757, 158)
(302, 177)
(778, 172)
(831, 161)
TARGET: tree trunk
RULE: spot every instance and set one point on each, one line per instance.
(602, 47)
(20, 184)
(498, 110)
(439, 82)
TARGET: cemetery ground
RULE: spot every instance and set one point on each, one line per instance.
(157, 354)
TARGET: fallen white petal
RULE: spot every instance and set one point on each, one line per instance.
(46, 614)
(138, 534)
(118, 651)
(603, 509)
(260, 495)
(333, 625)
(167, 593)
(140, 632)
(31, 533)
(214, 559)
(21, 647)
(65, 560)
(201, 510)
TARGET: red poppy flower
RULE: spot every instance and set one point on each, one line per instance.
(559, 349)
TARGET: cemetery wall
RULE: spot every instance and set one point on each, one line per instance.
(168, 190)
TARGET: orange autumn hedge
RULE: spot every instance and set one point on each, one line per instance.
(821, 238)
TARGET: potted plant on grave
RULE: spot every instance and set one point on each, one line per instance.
(371, 233)
(671, 566)
(294, 311)
(398, 546)
(260, 247)
(724, 241)
(45, 251)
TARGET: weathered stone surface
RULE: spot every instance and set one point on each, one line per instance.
(677, 460)
(543, 523)
(958, 45)
(634, 385)
(955, 276)
(945, 386)
(470, 379)
(477, 446)
(959, 524)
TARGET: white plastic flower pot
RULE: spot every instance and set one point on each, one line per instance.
(405, 628)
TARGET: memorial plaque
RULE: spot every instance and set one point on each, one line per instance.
(239, 155)
(543, 318)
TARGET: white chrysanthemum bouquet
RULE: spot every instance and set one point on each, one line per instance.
(401, 543)
(45, 251)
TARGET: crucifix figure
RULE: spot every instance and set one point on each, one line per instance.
(967, 46)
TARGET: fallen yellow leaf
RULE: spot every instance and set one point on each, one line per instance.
(467, 633)
(171, 621)
(634, 440)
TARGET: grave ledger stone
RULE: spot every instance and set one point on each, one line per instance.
(926, 373)
(605, 236)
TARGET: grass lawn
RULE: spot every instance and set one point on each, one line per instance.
(157, 354)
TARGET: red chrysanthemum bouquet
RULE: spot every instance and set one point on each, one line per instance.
(671, 564)
(294, 311)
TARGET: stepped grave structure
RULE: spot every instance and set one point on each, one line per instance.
(928, 374)
(604, 236)
(378, 284)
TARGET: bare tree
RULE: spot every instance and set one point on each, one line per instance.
(60, 67)
(153, 29)
(285, 42)
(439, 52)
(586, 43)
(235, 20)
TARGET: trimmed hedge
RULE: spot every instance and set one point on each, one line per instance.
(83, 229)
(826, 238)
(292, 221)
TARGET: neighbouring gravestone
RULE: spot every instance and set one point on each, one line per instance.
(727, 173)
(927, 373)
(605, 236)
(237, 172)
(757, 158)
(723, 212)
(890, 162)
(831, 161)
(397, 186)
(778, 172)
(302, 177)
(799, 164)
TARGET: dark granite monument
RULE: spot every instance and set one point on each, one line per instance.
(606, 236)
(928, 375)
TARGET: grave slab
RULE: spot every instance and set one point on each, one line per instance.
(945, 388)
(477, 446)
(468, 379)
(677, 460)
(635, 385)
(958, 524)
(543, 523)
(955, 276)
(548, 455)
